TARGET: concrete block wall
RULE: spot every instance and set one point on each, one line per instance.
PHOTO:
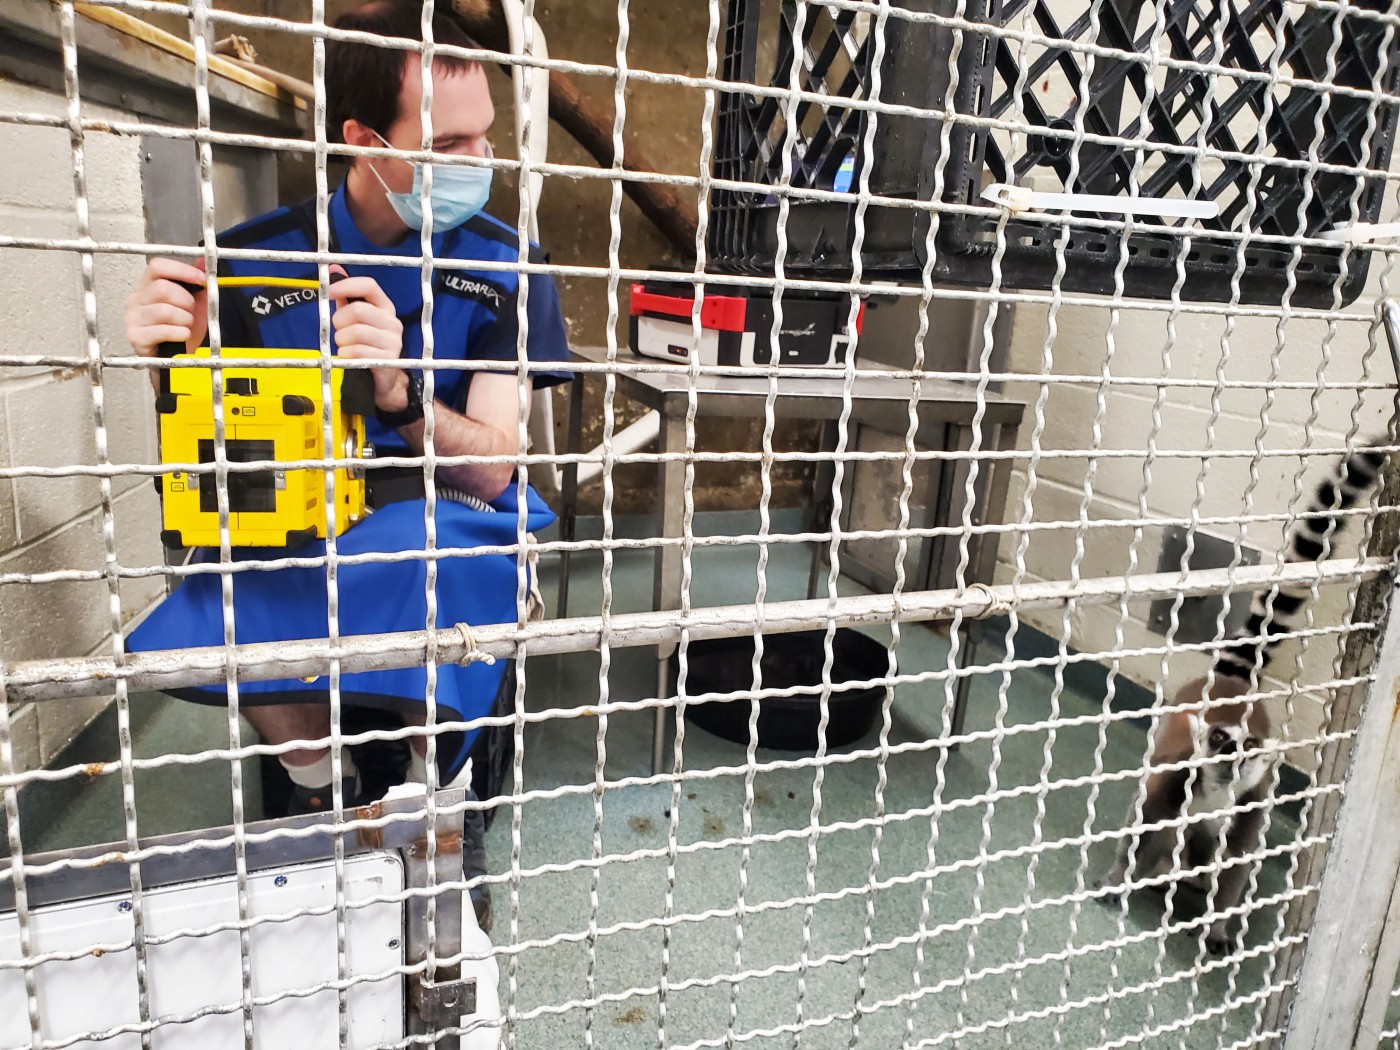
(1124, 415)
(47, 415)
(1137, 344)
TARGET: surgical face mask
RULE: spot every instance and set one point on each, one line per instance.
(458, 193)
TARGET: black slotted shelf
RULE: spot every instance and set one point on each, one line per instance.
(1283, 157)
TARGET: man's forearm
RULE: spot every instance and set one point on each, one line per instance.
(457, 435)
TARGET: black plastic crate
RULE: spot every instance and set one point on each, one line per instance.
(1267, 125)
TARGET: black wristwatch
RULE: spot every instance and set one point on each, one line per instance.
(411, 412)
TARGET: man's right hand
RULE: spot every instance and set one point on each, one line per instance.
(160, 311)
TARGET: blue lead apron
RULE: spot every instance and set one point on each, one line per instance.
(290, 604)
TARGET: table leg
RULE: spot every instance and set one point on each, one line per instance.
(971, 631)
(993, 508)
(568, 516)
(666, 576)
(819, 515)
(990, 508)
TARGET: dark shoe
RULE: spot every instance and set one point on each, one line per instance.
(481, 904)
(306, 800)
(474, 862)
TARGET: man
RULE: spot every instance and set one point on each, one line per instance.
(374, 98)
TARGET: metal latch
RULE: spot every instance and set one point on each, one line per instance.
(444, 1002)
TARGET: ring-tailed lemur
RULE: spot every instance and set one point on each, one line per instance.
(1225, 789)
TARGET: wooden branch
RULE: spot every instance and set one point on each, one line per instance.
(592, 128)
(237, 50)
(237, 47)
(591, 125)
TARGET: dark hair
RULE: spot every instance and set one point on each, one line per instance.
(363, 81)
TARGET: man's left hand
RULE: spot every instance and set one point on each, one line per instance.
(367, 328)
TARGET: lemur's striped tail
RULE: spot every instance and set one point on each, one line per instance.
(1311, 538)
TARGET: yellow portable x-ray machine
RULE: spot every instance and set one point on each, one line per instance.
(272, 413)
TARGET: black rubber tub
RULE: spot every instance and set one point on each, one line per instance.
(786, 723)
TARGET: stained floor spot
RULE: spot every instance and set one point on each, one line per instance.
(632, 1015)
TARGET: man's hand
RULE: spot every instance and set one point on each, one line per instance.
(367, 328)
(160, 311)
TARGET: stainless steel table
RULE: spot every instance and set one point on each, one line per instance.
(946, 413)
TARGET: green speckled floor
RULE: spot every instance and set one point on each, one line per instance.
(971, 959)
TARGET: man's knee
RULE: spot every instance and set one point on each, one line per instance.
(283, 723)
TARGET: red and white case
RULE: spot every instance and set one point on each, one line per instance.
(736, 330)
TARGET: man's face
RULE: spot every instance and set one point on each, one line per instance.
(462, 115)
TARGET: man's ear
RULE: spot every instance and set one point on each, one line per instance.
(355, 133)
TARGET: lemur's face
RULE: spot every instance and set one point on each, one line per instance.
(1236, 756)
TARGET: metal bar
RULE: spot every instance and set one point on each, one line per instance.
(1390, 318)
(1360, 881)
(1344, 713)
(68, 20)
(1371, 1028)
(57, 679)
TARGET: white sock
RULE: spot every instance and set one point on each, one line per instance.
(318, 774)
(417, 767)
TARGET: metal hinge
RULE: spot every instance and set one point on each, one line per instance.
(444, 1002)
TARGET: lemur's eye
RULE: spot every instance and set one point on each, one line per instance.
(1251, 744)
(1218, 737)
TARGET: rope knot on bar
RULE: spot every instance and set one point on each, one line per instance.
(995, 604)
(471, 654)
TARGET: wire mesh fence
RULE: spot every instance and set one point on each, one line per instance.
(1025, 721)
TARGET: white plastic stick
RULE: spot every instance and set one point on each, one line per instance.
(631, 438)
(1362, 232)
(1019, 199)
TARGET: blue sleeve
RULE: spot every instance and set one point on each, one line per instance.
(548, 340)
